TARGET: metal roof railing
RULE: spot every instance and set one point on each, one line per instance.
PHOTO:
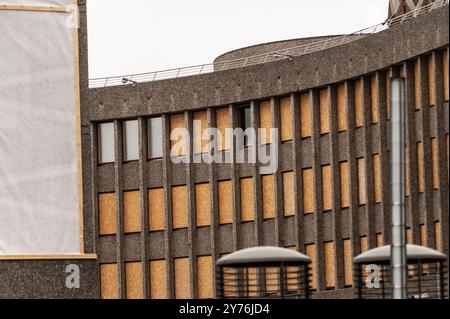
(265, 57)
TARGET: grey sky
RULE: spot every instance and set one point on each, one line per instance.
(135, 36)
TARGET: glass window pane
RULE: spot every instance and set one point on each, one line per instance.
(130, 140)
(106, 143)
(155, 146)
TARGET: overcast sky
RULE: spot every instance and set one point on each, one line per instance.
(135, 36)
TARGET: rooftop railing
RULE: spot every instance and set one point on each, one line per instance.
(288, 53)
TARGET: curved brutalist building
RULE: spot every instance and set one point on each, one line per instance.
(154, 228)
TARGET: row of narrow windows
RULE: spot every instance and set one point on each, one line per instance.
(205, 270)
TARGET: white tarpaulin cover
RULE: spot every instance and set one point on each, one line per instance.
(39, 200)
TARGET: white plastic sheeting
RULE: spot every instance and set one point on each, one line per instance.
(43, 3)
(39, 200)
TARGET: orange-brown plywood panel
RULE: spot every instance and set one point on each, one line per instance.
(265, 117)
(312, 253)
(417, 86)
(200, 125)
(327, 195)
(407, 172)
(225, 191)
(420, 167)
(423, 235)
(223, 122)
(324, 111)
(247, 199)
(268, 196)
(434, 153)
(374, 99)
(107, 213)
(132, 211)
(362, 181)
(380, 240)
(288, 194)
(431, 81)
(388, 95)
(177, 121)
(305, 115)
(308, 191)
(438, 236)
(286, 119)
(364, 242)
(341, 108)
(348, 262)
(158, 279)
(109, 288)
(133, 274)
(409, 236)
(182, 278)
(156, 209)
(359, 116)
(330, 278)
(202, 205)
(345, 184)
(180, 211)
(377, 177)
(445, 74)
(205, 277)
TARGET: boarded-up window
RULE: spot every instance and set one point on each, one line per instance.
(177, 122)
(407, 172)
(380, 240)
(434, 152)
(388, 95)
(361, 181)
(423, 235)
(182, 278)
(420, 168)
(158, 279)
(448, 153)
(431, 81)
(247, 199)
(305, 115)
(377, 177)
(330, 278)
(288, 194)
(250, 279)
(286, 119)
(374, 99)
(345, 184)
(342, 108)
(308, 191)
(132, 212)
(133, 273)
(364, 243)
(348, 262)
(324, 112)
(223, 122)
(417, 86)
(327, 195)
(109, 288)
(272, 282)
(409, 236)
(311, 253)
(156, 209)
(202, 205)
(268, 196)
(225, 191)
(445, 74)
(200, 125)
(265, 117)
(359, 117)
(438, 236)
(205, 277)
(180, 207)
(107, 213)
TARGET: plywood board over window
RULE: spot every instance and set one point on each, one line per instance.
(431, 81)
(377, 178)
(417, 86)
(407, 172)
(132, 211)
(133, 274)
(180, 212)
(177, 122)
(310, 251)
(205, 277)
(434, 153)
(327, 193)
(342, 108)
(359, 116)
(348, 262)
(361, 181)
(225, 191)
(182, 278)
(330, 277)
(286, 119)
(288, 194)
(345, 184)
(423, 235)
(223, 122)
(156, 209)
(158, 279)
(420, 168)
(374, 99)
(202, 205)
(445, 74)
(364, 243)
(247, 199)
(324, 111)
(305, 115)
(265, 117)
(107, 213)
(388, 95)
(308, 191)
(199, 127)
(380, 240)
(268, 196)
(109, 288)
(438, 236)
